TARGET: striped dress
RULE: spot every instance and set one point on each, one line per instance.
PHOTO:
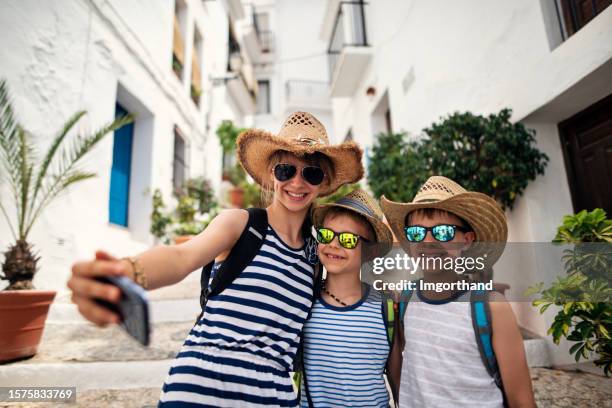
(241, 351)
(345, 353)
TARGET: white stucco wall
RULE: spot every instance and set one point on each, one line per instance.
(62, 56)
(299, 54)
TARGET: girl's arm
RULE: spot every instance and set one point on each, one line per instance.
(163, 265)
(510, 354)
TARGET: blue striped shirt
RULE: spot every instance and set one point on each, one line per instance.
(345, 353)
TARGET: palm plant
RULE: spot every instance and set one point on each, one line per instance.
(34, 183)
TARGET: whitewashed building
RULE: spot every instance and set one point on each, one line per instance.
(290, 60)
(178, 66)
(401, 65)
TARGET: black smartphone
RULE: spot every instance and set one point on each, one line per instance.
(133, 307)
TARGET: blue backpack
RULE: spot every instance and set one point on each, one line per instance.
(481, 322)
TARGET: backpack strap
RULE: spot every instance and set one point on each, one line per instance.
(388, 312)
(241, 254)
(405, 297)
(481, 321)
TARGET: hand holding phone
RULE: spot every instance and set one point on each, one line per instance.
(132, 308)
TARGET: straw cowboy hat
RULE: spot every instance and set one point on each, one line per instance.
(360, 202)
(481, 212)
(301, 134)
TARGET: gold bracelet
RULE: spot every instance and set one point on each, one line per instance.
(139, 275)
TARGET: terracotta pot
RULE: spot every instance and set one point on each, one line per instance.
(23, 314)
(237, 197)
(182, 238)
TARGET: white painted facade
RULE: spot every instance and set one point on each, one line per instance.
(427, 59)
(62, 56)
(296, 64)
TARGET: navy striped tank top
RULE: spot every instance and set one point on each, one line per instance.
(241, 351)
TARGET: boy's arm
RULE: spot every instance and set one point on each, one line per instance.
(510, 353)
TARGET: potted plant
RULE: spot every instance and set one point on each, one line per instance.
(227, 134)
(196, 206)
(33, 182)
(237, 178)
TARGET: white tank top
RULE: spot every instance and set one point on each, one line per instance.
(441, 364)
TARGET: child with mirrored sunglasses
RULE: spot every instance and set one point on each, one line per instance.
(347, 347)
(463, 347)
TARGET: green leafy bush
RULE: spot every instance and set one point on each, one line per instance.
(159, 219)
(585, 294)
(196, 207)
(341, 192)
(227, 134)
(487, 154)
(396, 168)
(200, 189)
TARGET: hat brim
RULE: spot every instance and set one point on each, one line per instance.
(384, 237)
(480, 211)
(255, 146)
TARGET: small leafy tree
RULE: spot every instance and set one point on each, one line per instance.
(585, 294)
(34, 182)
(396, 168)
(489, 154)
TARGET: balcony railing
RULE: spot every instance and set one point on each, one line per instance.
(265, 36)
(308, 94)
(349, 30)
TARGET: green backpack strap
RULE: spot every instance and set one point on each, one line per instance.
(388, 312)
(481, 321)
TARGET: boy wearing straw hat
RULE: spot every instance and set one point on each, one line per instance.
(446, 361)
(346, 343)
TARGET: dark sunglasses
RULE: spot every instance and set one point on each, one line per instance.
(441, 232)
(312, 174)
(347, 240)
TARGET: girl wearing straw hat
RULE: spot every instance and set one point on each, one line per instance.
(241, 350)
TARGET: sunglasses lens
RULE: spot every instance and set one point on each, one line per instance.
(443, 233)
(284, 172)
(348, 240)
(324, 235)
(313, 175)
(415, 233)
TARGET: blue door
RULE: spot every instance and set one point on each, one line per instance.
(120, 172)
